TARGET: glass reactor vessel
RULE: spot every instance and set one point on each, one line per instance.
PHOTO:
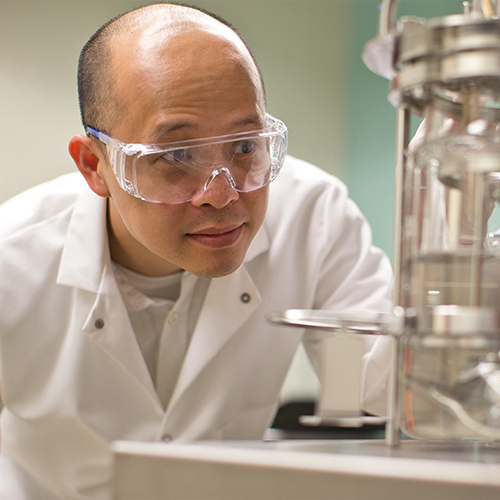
(445, 326)
(447, 228)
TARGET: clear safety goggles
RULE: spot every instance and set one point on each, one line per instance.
(179, 171)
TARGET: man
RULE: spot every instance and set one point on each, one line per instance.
(137, 309)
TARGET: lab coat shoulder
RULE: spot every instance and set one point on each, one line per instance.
(312, 220)
(304, 191)
(301, 202)
(40, 203)
(33, 229)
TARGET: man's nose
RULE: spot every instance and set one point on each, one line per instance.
(219, 190)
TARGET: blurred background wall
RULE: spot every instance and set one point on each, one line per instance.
(309, 52)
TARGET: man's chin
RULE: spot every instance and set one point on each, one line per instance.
(217, 271)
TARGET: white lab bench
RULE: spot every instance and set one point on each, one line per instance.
(309, 469)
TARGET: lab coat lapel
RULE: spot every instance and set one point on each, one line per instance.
(86, 249)
(86, 265)
(108, 325)
(230, 301)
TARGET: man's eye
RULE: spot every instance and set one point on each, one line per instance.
(244, 148)
(176, 156)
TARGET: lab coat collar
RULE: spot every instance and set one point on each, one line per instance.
(86, 250)
(86, 265)
(229, 302)
(107, 324)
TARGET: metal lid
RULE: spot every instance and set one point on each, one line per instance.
(449, 49)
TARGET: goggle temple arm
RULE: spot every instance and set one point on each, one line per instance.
(97, 133)
(116, 159)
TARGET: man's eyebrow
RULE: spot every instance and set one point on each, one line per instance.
(253, 120)
(162, 131)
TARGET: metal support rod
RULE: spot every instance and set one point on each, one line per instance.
(478, 240)
(393, 412)
(402, 141)
(387, 17)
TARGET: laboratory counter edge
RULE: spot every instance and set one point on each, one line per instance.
(308, 469)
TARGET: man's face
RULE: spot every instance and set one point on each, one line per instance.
(189, 86)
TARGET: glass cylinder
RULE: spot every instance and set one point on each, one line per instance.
(451, 265)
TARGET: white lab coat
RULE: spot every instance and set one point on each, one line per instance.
(72, 375)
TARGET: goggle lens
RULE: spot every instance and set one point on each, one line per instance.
(177, 172)
(177, 175)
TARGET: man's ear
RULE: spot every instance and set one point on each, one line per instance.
(84, 153)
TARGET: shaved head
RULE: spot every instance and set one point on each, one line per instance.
(143, 31)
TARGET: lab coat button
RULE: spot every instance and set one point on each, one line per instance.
(173, 319)
(245, 298)
(99, 323)
(167, 438)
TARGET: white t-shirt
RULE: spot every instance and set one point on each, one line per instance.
(163, 312)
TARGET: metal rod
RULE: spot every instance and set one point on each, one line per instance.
(402, 141)
(387, 17)
(478, 236)
(393, 410)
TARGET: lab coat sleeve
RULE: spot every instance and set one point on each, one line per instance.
(354, 277)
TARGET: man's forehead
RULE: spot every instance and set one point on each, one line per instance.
(187, 55)
(180, 52)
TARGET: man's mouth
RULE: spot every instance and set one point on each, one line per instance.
(214, 237)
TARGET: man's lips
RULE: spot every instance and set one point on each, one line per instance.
(217, 237)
